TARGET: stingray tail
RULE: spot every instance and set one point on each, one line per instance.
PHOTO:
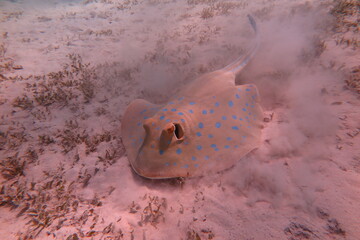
(236, 66)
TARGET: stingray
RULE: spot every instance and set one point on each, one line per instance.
(207, 127)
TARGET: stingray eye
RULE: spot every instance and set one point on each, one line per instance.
(147, 128)
(170, 128)
(149, 122)
(179, 131)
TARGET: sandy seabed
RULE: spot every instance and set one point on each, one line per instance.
(68, 69)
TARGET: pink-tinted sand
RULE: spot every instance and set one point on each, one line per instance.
(302, 183)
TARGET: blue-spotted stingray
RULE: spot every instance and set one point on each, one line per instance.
(207, 127)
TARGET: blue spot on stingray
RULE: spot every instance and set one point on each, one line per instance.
(152, 146)
(178, 151)
(192, 103)
(173, 109)
(174, 163)
(244, 109)
(216, 104)
(206, 157)
(185, 166)
(157, 128)
(217, 125)
(236, 146)
(201, 125)
(143, 111)
(186, 143)
(191, 111)
(248, 90)
(231, 103)
(237, 96)
(183, 120)
(167, 120)
(204, 112)
(146, 117)
(198, 134)
(244, 136)
(214, 96)
(169, 141)
(216, 149)
(246, 104)
(213, 145)
(223, 117)
(196, 165)
(198, 147)
(193, 158)
(228, 138)
(252, 106)
(167, 164)
(210, 136)
(180, 113)
(211, 111)
(161, 152)
(233, 116)
(165, 109)
(138, 124)
(171, 102)
(181, 98)
(162, 117)
(226, 146)
(235, 128)
(240, 119)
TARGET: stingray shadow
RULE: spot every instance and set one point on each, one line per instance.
(173, 183)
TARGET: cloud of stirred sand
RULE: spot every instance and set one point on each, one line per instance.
(293, 86)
